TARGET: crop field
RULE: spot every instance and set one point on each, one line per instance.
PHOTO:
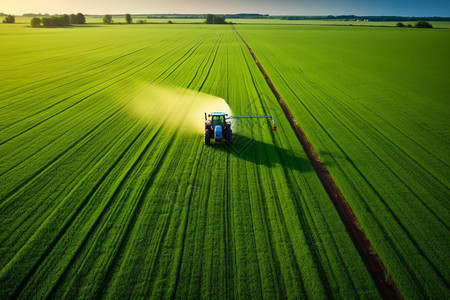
(107, 191)
(375, 104)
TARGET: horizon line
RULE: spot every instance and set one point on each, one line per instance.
(242, 13)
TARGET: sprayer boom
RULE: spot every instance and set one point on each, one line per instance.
(218, 128)
(255, 117)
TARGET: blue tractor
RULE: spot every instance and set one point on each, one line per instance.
(218, 128)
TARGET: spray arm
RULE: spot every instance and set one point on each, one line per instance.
(256, 117)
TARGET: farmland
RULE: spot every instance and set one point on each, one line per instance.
(376, 107)
(106, 188)
(96, 199)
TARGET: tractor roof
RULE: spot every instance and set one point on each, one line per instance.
(217, 113)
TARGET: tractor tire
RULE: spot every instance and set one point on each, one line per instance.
(230, 137)
(207, 138)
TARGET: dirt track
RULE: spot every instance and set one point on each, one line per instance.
(386, 287)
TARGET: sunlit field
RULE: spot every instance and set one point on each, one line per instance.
(107, 190)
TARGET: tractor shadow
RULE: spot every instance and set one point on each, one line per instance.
(265, 154)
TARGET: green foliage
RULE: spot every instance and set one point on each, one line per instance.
(423, 24)
(400, 24)
(107, 19)
(79, 18)
(9, 19)
(215, 19)
(56, 21)
(61, 21)
(36, 22)
(128, 19)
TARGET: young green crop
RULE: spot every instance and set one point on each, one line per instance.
(374, 102)
(98, 201)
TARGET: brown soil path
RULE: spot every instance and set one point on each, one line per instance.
(376, 268)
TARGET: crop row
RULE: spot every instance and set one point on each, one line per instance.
(106, 191)
(378, 116)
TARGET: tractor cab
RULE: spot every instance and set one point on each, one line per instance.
(216, 127)
(217, 119)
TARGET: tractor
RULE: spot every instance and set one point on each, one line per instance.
(218, 127)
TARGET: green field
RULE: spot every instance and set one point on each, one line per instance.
(376, 107)
(106, 188)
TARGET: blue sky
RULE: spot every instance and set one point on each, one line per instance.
(273, 7)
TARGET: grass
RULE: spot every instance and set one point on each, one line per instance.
(374, 102)
(108, 191)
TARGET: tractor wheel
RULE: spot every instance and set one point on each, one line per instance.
(230, 137)
(207, 138)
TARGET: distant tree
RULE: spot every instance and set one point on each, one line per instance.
(128, 19)
(77, 19)
(47, 22)
(220, 20)
(409, 25)
(81, 18)
(209, 19)
(64, 20)
(215, 19)
(400, 24)
(36, 22)
(73, 19)
(170, 22)
(9, 19)
(423, 24)
(107, 19)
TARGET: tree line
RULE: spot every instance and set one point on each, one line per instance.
(203, 16)
(59, 21)
(369, 18)
(210, 19)
(420, 24)
(215, 19)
